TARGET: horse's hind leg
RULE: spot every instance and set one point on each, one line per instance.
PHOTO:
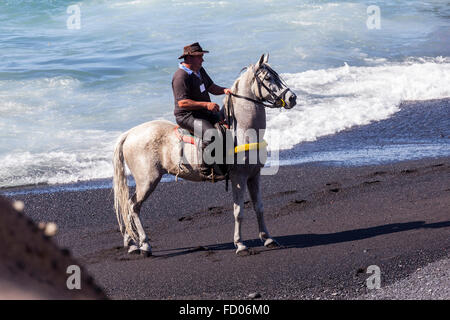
(143, 191)
(128, 242)
(253, 184)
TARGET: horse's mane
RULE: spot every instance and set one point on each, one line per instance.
(236, 83)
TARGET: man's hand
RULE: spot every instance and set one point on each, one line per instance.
(211, 106)
(217, 90)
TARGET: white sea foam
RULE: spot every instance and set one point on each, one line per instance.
(128, 3)
(52, 168)
(87, 156)
(329, 101)
(332, 100)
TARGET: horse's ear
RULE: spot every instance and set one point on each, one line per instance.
(266, 59)
(260, 62)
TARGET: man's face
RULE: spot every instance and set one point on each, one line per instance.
(195, 61)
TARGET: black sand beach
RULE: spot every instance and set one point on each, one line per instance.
(332, 223)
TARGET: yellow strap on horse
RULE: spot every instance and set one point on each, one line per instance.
(250, 146)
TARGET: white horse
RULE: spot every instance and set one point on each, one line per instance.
(152, 149)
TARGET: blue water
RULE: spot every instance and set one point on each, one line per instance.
(66, 94)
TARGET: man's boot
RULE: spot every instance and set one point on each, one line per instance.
(211, 173)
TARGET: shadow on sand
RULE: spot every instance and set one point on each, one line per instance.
(310, 240)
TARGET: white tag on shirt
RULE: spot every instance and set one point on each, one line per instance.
(202, 87)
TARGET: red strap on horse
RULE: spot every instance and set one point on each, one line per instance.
(187, 139)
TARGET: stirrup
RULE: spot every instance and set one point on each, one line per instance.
(213, 176)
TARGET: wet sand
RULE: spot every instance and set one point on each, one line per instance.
(332, 223)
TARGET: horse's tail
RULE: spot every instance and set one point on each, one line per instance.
(121, 193)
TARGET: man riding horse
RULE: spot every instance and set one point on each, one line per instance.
(151, 149)
(194, 110)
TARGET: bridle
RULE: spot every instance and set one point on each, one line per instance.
(275, 101)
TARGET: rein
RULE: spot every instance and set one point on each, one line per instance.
(260, 102)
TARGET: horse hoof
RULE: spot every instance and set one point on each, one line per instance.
(242, 251)
(133, 249)
(270, 243)
(146, 250)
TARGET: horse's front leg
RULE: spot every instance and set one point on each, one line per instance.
(255, 194)
(239, 186)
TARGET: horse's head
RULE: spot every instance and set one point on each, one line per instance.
(270, 87)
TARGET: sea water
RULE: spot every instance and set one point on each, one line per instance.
(75, 75)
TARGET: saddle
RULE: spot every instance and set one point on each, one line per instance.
(218, 171)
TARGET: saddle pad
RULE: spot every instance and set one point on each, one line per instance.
(184, 135)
